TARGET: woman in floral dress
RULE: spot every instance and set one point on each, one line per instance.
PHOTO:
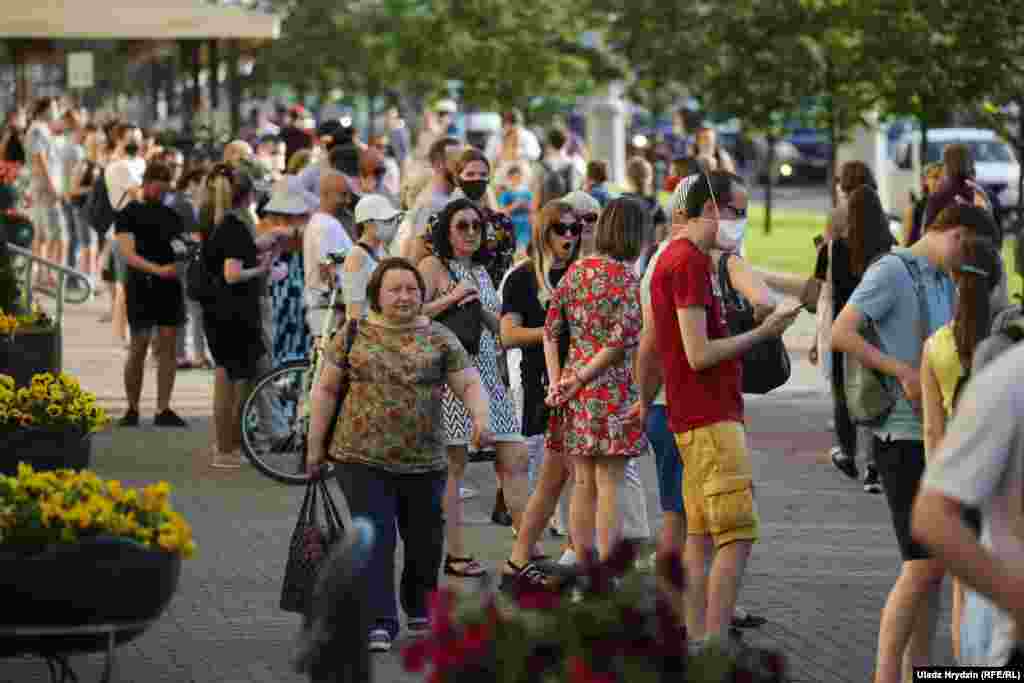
(455, 275)
(599, 300)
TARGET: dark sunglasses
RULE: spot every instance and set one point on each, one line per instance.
(567, 229)
(466, 226)
(589, 218)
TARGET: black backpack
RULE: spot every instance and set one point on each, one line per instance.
(556, 183)
(98, 210)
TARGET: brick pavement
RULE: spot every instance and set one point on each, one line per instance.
(820, 575)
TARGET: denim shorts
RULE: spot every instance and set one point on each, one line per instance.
(666, 458)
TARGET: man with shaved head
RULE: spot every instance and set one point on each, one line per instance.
(324, 235)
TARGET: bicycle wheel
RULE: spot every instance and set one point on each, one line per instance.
(275, 421)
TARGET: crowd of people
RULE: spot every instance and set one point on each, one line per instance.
(506, 299)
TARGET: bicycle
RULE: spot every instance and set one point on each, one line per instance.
(287, 391)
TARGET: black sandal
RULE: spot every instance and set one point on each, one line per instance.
(449, 567)
(519, 577)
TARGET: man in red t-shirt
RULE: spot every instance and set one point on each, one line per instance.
(700, 365)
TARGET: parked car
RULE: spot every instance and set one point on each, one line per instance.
(995, 163)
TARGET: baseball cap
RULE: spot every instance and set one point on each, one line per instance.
(582, 202)
(446, 105)
(375, 207)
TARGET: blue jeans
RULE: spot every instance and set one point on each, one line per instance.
(414, 502)
(667, 458)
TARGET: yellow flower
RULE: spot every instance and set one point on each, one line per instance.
(54, 410)
(24, 394)
(39, 392)
(44, 378)
(7, 382)
(56, 394)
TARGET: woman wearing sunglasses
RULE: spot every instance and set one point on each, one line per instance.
(455, 275)
(527, 290)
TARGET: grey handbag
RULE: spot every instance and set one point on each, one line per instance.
(870, 395)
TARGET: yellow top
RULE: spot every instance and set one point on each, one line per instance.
(945, 361)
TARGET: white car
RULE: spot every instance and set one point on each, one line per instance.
(996, 166)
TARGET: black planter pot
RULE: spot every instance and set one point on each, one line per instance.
(93, 582)
(44, 449)
(28, 353)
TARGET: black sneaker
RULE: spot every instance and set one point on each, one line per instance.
(872, 484)
(167, 418)
(844, 463)
(130, 419)
(500, 515)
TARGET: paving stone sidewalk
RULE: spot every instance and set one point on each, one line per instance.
(820, 574)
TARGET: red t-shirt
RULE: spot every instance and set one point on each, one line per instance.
(682, 278)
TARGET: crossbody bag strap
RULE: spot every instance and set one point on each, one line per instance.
(729, 293)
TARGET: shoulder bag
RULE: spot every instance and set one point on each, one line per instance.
(870, 395)
(766, 365)
(466, 320)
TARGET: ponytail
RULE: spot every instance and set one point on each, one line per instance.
(225, 189)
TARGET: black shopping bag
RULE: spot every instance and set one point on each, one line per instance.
(318, 529)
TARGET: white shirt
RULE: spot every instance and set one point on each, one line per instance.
(645, 300)
(324, 235)
(121, 176)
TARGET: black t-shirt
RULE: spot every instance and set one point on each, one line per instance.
(843, 279)
(153, 226)
(232, 239)
(520, 296)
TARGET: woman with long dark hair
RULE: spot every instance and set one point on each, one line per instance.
(867, 236)
(945, 364)
(455, 275)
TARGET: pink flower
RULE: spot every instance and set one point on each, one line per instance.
(441, 604)
(416, 656)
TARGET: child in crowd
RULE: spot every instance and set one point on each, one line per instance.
(515, 202)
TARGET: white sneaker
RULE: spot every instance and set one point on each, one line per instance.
(568, 557)
(467, 493)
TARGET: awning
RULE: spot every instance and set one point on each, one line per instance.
(133, 20)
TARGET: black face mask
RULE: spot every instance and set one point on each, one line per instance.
(131, 149)
(474, 189)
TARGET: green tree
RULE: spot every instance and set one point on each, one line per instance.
(759, 70)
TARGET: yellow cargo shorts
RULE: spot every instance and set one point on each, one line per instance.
(718, 493)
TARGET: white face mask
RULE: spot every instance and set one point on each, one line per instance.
(730, 233)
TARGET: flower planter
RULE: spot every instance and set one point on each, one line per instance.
(97, 581)
(28, 352)
(44, 449)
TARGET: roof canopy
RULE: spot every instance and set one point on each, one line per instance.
(134, 20)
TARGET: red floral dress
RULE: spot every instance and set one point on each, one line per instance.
(599, 298)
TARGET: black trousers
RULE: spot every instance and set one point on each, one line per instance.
(413, 501)
(846, 431)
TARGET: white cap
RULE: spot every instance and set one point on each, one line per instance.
(446, 105)
(678, 200)
(375, 207)
(289, 200)
(581, 202)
